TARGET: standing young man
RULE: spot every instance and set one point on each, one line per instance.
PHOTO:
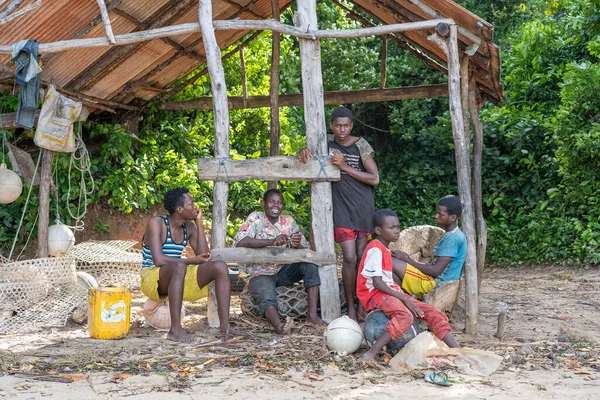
(352, 196)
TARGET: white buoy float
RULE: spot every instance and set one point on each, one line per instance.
(343, 335)
(60, 239)
(11, 186)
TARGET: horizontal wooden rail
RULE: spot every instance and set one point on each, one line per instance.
(235, 24)
(276, 168)
(336, 97)
(271, 255)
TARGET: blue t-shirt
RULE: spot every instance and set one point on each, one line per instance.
(452, 244)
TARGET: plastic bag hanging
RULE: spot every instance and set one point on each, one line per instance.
(55, 126)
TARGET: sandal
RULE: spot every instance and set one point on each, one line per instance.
(438, 378)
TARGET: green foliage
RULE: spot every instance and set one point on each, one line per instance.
(101, 227)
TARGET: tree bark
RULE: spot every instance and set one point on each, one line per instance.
(44, 208)
(221, 121)
(316, 140)
(463, 166)
(275, 131)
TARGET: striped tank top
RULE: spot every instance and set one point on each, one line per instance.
(169, 247)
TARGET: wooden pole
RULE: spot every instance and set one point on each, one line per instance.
(244, 84)
(106, 22)
(235, 25)
(475, 104)
(275, 131)
(316, 140)
(338, 97)
(463, 167)
(221, 121)
(44, 209)
(383, 61)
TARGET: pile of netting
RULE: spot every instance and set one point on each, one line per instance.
(39, 293)
(110, 262)
(291, 301)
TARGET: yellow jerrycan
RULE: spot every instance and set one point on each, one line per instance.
(109, 312)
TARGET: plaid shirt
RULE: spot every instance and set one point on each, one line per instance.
(258, 226)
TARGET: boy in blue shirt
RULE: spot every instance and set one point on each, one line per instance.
(450, 252)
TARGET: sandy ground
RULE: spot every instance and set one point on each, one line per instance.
(550, 350)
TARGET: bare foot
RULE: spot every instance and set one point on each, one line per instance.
(180, 335)
(286, 327)
(316, 322)
(362, 313)
(229, 331)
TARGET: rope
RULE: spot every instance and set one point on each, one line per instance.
(322, 160)
(222, 164)
(3, 146)
(84, 168)
(25, 210)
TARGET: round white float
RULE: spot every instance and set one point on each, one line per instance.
(157, 314)
(11, 186)
(343, 335)
(60, 240)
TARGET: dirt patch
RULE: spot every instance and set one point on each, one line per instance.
(550, 350)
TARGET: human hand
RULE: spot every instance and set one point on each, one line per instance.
(280, 240)
(413, 308)
(202, 258)
(338, 160)
(296, 239)
(198, 218)
(304, 155)
(401, 255)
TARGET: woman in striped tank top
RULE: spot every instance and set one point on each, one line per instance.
(165, 274)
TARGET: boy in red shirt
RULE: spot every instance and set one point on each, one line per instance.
(376, 289)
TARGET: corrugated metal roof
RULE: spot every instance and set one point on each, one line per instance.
(124, 73)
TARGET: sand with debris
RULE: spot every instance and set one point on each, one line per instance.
(550, 350)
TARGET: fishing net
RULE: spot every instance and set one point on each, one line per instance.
(38, 293)
(292, 301)
(111, 262)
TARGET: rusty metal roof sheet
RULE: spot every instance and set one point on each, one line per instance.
(143, 70)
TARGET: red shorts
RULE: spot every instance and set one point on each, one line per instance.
(344, 234)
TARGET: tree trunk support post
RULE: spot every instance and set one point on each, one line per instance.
(221, 120)
(316, 140)
(44, 210)
(475, 104)
(446, 38)
(275, 131)
(463, 165)
(382, 78)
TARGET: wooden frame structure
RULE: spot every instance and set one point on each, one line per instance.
(439, 32)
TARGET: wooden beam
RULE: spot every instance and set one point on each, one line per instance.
(383, 72)
(181, 29)
(221, 126)
(475, 104)
(47, 58)
(266, 169)
(275, 128)
(243, 71)
(338, 97)
(176, 89)
(106, 21)
(183, 50)
(316, 140)
(113, 58)
(9, 120)
(271, 255)
(44, 206)
(8, 15)
(463, 169)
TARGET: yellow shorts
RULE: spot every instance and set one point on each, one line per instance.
(191, 291)
(417, 283)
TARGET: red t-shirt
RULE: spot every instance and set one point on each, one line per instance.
(376, 261)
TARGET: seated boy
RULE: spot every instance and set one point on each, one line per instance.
(271, 228)
(165, 274)
(376, 290)
(450, 252)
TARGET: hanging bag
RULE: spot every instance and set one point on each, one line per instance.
(55, 126)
